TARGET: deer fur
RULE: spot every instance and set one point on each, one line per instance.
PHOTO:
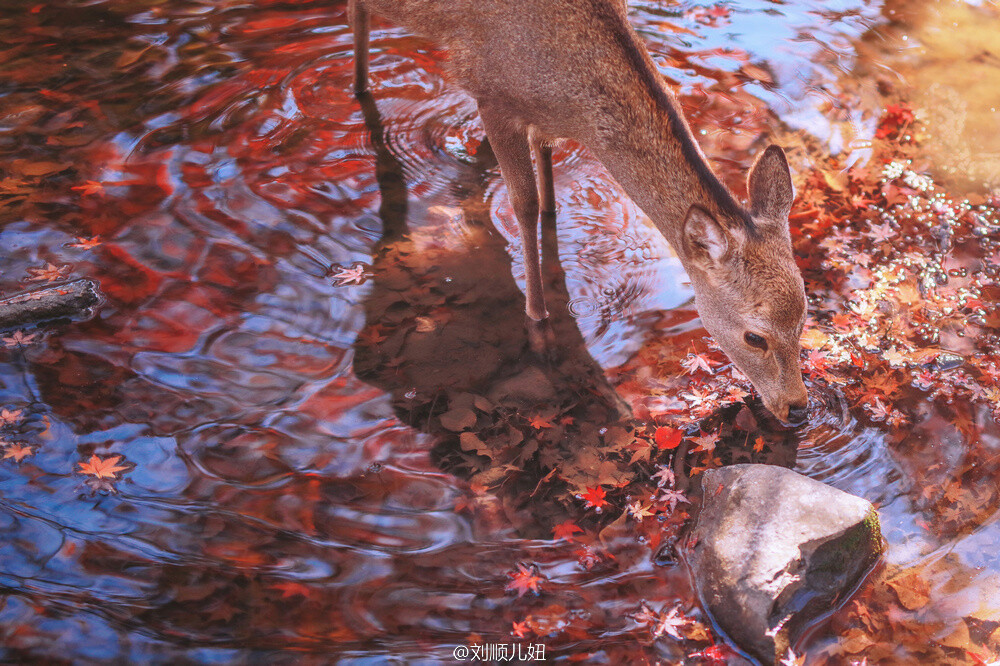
(553, 69)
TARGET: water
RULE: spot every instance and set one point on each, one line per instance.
(300, 286)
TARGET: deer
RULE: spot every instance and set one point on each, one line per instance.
(549, 70)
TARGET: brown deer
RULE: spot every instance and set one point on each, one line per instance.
(551, 69)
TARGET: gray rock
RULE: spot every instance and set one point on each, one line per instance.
(774, 550)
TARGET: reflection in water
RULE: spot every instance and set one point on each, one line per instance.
(206, 163)
(445, 335)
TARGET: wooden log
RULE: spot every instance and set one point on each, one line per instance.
(68, 300)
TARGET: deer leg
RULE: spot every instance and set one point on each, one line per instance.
(513, 152)
(543, 163)
(358, 16)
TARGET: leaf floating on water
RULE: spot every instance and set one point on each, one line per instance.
(102, 468)
(594, 497)
(343, 276)
(17, 452)
(668, 438)
(524, 580)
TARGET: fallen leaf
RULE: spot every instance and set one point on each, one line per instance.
(102, 468)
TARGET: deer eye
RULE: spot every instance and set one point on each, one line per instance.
(755, 340)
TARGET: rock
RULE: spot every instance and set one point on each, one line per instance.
(774, 550)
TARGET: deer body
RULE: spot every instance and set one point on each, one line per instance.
(553, 69)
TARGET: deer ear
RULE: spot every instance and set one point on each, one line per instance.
(770, 186)
(705, 241)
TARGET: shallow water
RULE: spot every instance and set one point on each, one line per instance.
(269, 352)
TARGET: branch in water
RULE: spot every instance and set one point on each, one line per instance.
(72, 299)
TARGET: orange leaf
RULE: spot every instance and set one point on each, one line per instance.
(102, 468)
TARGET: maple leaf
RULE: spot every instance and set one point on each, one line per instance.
(89, 188)
(665, 476)
(342, 276)
(880, 233)
(667, 437)
(524, 580)
(735, 394)
(86, 243)
(670, 624)
(758, 445)
(817, 361)
(894, 358)
(700, 397)
(695, 362)
(538, 422)
(880, 411)
(520, 629)
(10, 417)
(672, 497)
(705, 442)
(102, 468)
(637, 511)
(645, 615)
(595, 498)
(566, 530)
(19, 339)
(48, 273)
(17, 451)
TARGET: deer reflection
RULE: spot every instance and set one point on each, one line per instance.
(445, 334)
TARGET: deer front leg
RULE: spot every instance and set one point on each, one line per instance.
(510, 145)
(358, 17)
(543, 163)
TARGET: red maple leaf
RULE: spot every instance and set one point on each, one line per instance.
(667, 437)
(595, 497)
(538, 422)
(520, 629)
(566, 530)
(525, 579)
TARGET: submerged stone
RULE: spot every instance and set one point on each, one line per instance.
(774, 550)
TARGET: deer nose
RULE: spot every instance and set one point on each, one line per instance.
(798, 414)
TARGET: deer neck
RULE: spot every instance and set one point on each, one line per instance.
(649, 149)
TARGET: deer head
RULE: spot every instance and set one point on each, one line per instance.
(748, 289)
